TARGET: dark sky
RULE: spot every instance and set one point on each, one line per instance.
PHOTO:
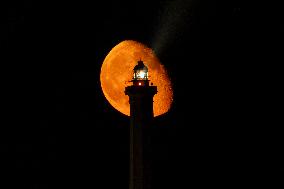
(61, 131)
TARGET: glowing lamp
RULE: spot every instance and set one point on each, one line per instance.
(140, 76)
(140, 71)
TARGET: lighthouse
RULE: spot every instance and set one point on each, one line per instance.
(141, 118)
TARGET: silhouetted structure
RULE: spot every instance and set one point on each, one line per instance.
(141, 116)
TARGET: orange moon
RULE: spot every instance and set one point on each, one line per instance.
(117, 72)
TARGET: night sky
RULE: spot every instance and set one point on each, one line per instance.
(62, 133)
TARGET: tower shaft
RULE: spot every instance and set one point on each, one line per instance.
(141, 117)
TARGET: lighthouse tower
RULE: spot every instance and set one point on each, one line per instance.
(141, 117)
